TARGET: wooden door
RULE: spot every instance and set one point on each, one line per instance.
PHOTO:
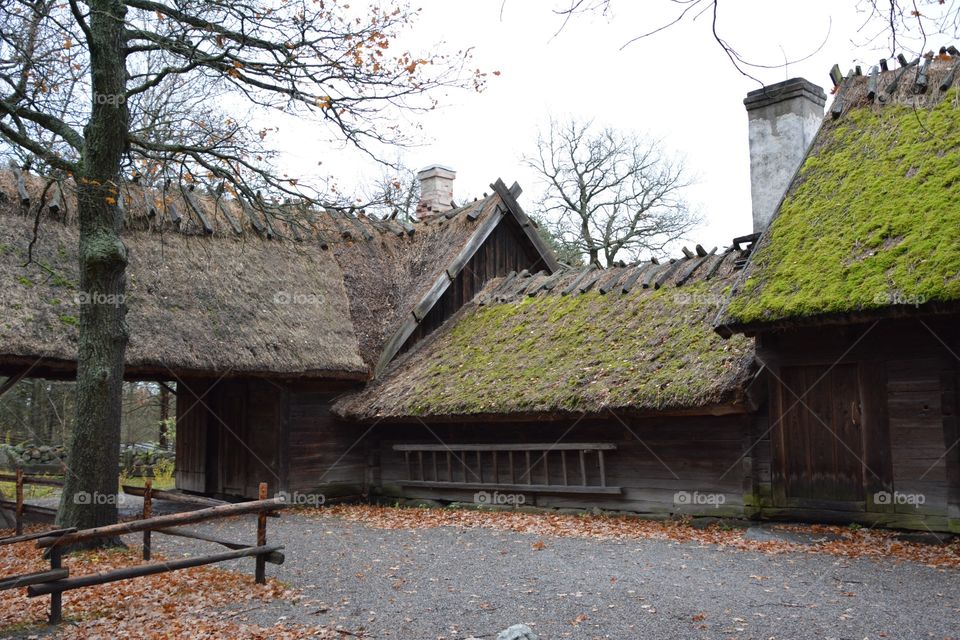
(819, 438)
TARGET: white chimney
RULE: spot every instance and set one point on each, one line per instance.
(436, 190)
(783, 119)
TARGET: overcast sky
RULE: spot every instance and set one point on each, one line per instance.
(677, 86)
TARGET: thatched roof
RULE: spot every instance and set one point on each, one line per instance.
(637, 338)
(868, 228)
(217, 284)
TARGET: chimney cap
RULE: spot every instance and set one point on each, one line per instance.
(438, 170)
(782, 91)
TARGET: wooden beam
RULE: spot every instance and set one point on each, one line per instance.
(634, 276)
(669, 271)
(59, 586)
(611, 282)
(872, 84)
(557, 446)
(35, 536)
(506, 195)
(217, 197)
(920, 86)
(590, 280)
(11, 381)
(161, 522)
(192, 205)
(30, 479)
(649, 276)
(38, 577)
(948, 79)
(716, 265)
(689, 271)
(22, 193)
(473, 244)
(514, 488)
(570, 288)
(56, 203)
(174, 496)
(251, 215)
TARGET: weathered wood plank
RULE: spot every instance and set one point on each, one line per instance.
(516, 488)
(523, 446)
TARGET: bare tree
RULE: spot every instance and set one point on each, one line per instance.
(888, 25)
(396, 193)
(96, 89)
(608, 192)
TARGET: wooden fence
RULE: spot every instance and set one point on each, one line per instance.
(18, 506)
(56, 580)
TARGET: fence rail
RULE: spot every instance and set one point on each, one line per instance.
(57, 579)
(18, 506)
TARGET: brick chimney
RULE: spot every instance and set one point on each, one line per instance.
(783, 119)
(436, 190)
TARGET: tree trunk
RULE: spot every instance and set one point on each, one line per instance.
(164, 415)
(89, 495)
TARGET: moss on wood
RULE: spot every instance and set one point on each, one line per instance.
(647, 349)
(871, 221)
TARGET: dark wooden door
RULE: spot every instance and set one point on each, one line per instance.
(819, 438)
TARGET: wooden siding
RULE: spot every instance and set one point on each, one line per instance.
(190, 469)
(654, 460)
(228, 436)
(906, 471)
(507, 249)
(326, 455)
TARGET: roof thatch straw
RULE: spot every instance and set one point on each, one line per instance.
(869, 226)
(574, 343)
(218, 285)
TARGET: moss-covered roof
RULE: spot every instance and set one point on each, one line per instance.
(870, 224)
(650, 349)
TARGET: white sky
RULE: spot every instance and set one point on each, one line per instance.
(677, 86)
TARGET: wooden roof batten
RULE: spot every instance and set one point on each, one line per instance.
(508, 197)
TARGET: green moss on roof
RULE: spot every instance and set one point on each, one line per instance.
(872, 219)
(644, 350)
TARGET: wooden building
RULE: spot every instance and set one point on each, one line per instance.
(807, 371)
(585, 388)
(853, 296)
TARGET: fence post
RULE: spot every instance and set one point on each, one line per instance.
(147, 512)
(260, 576)
(19, 511)
(56, 599)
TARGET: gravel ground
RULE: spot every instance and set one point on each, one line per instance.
(448, 583)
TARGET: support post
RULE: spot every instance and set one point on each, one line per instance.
(261, 571)
(19, 512)
(147, 512)
(56, 599)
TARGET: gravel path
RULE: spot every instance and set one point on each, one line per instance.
(449, 583)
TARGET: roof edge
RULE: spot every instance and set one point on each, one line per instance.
(509, 199)
(890, 312)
